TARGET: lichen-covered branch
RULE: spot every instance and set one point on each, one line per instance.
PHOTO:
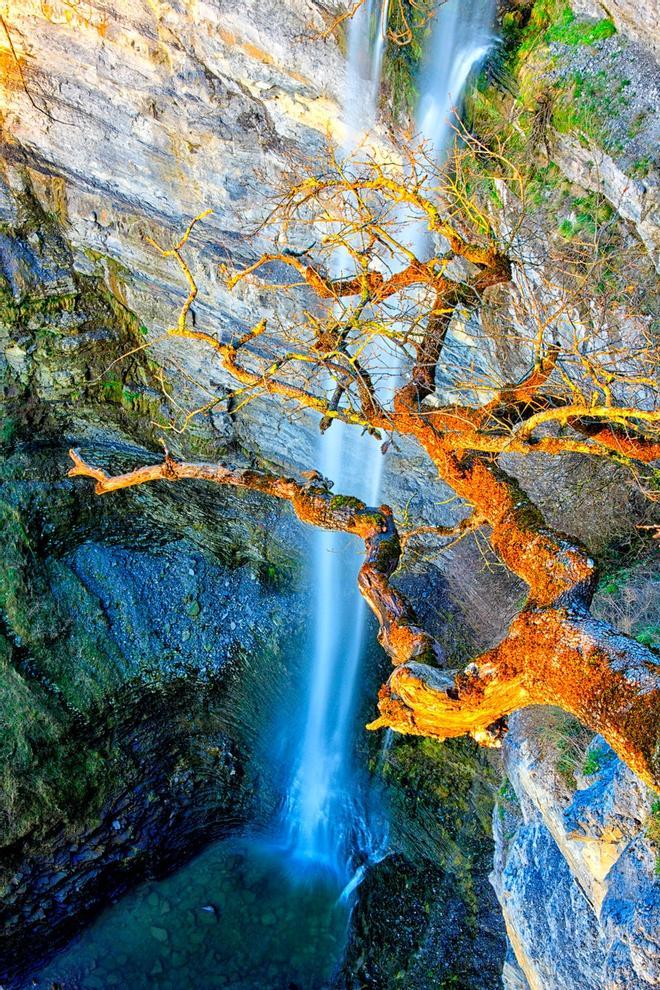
(552, 656)
(313, 503)
(554, 652)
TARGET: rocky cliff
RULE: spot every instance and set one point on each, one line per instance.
(638, 20)
(575, 863)
(176, 107)
(173, 108)
(150, 650)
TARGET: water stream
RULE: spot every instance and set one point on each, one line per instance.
(325, 813)
(325, 817)
(461, 36)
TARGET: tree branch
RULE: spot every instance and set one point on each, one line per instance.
(551, 655)
(313, 503)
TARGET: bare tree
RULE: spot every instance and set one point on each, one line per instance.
(366, 346)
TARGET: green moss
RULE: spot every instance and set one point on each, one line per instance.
(649, 636)
(653, 832)
(587, 215)
(582, 104)
(441, 799)
(593, 763)
(8, 428)
(44, 774)
(33, 308)
(586, 105)
(642, 167)
(507, 800)
(553, 21)
(545, 182)
(569, 31)
(346, 502)
(454, 775)
(401, 63)
(630, 591)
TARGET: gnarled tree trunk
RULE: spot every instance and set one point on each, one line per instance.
(554, 652)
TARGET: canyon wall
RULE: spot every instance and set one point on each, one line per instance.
(574, 864)
(123, 120)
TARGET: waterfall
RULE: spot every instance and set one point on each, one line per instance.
(325, 818)
(461, 36)
(322, 814)
(366, 47)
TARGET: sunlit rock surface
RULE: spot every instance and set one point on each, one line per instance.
(574, 870)
(173, 108)
(636, 18)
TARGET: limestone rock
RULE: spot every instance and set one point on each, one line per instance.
(574, 872)
(636, 18)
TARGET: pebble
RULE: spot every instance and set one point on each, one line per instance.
(208, 919)
(160, 934)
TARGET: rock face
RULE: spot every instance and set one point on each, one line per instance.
(159, 687)
(574, 870)
(173, 108)
(635, 200)
(621, 162)
(424, 916)
(636, 18)
(176, 106)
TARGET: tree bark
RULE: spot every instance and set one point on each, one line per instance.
(554, 653)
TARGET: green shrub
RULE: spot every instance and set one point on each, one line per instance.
(593, 762)
(653, 832)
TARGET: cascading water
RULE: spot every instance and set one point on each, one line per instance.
(366, 47)
(322, 812)
(324, 816)
(462, 35)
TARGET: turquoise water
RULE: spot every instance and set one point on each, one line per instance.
(237, 918)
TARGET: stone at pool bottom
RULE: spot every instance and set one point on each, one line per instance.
(236, 918)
